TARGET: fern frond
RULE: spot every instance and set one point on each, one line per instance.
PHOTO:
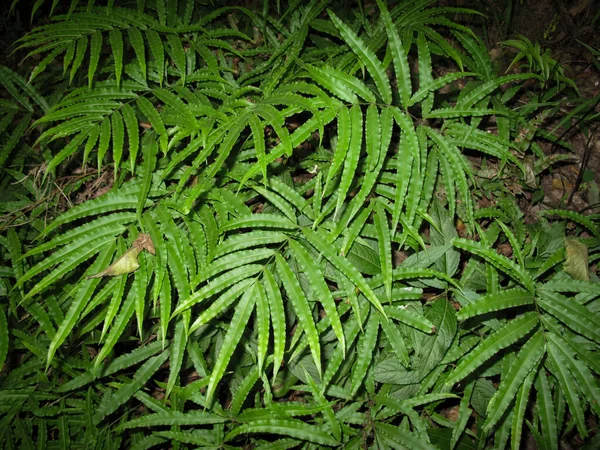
(507, 335)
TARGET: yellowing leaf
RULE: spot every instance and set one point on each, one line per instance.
(576, 263)
(125, 264)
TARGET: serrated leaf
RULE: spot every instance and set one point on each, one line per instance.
(366, 56)
(277, 311)
(499, 261)
(116, 44)
(95, 48)
(508, 298)
(323, 294)
(343, 265)
(301, 307)
(575, 316)
(527, 360)
(365, 352)
(507, 335)
(110, 403)
(294, 428)
(238, 323)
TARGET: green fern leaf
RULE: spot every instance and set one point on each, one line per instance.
(285, 427)
(277, 311)
(95, 49)
(301, 307)
(559, 361)
(237, 326)
(173, 418)
(500, 262)
(323, 294)
(137, 42)
(410, 318)
(484, 89)
(365, 353)
(158, 51)
(575, 316)
(509, 298)
(116, 44)
(110, 403)
(155, 120)
(83, 294)
(217, 285)
(118, 137)
(385, 249)
(402, 438)
(343, 265)
(507, 335)
(396, 341)
(399, 55)
(326, 77)
(178, 55)
(262, 325)
(585, 378)
(527, 360)
(221, 304)
(177, 350)
(352, 157)
(520, 407)
(250, 239)
(366, 56)
(546, 411)
(4, 339)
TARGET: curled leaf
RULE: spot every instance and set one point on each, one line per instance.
(125, 264)
(144, 242)
(576, 263)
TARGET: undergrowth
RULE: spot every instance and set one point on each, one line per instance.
(287, 228)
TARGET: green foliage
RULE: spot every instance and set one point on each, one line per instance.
(279, 242)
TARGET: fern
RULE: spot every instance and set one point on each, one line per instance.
(242, 229)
